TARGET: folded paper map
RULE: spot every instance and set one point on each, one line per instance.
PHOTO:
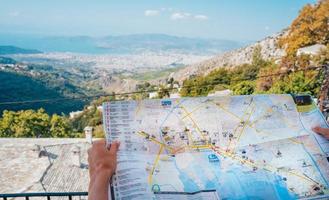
(232, 147)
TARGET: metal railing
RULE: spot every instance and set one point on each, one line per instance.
(47, 195)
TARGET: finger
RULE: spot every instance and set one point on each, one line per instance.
(322, 131)
(99, 142)
(114, 148)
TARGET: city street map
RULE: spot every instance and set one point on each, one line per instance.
(231, 147)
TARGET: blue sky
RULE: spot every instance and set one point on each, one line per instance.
(223, 19)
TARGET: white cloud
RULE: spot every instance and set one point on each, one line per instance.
(180, 15)
(151, 13)
(14, 13)
(201, 17)
(167, 9)
(175, 15)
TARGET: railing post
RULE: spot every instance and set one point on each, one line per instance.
(45, 195)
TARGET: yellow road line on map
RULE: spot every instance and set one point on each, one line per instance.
(155, 164)
(195, 124)
(234, 131)
(195, 109)
(242, 131)
(261, 117)
(190, 138)
(252, 164)
(243, 161)
(290, 139)
(236, 128)
(138, 107)
(251, 125)
(200, 146)
(155, 141)
(226, 110)
(224, 153)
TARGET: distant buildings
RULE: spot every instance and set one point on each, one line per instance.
(220, 93)
(153, 95)
(174, 95)
(75, 114)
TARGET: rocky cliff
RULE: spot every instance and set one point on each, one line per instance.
(269, 47)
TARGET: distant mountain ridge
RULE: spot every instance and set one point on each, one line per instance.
(269, 50)
(7, 49)
(122, 44)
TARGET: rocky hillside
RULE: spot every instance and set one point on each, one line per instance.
(269, 47)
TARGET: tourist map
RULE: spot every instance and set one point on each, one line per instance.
(230, 147)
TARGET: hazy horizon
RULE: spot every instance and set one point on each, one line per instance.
(229, 20)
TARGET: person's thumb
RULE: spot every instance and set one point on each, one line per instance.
(114, 147)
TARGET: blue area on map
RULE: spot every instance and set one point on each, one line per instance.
(237, 182)
(166, 103)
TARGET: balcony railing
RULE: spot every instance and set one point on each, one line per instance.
(47, 195)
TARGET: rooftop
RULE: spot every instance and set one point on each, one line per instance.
(43, 165)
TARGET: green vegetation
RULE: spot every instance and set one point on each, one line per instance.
(17, 87)
(141, 90)
(30, 123)
(310, 27)
(240, 79)
(91, 116)
(260, 76)
(151, 75)
(41, 81)
(37, 123)
(290, 76)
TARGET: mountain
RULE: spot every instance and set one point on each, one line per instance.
(6, 60)
(4, 50)
(17, 87)
(33, 81)
(269, 50)
(309, 28)
(123, 44)
(162, 42)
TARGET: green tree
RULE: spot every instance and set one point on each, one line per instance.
(163, 92)
(28, 123)
(244, 88)
(310, 27)
(60, 127)
(257, 58)
(298, 82)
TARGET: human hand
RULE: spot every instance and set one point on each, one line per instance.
(102, 164)
(322, 131)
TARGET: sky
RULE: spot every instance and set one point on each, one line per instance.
(240, 20)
